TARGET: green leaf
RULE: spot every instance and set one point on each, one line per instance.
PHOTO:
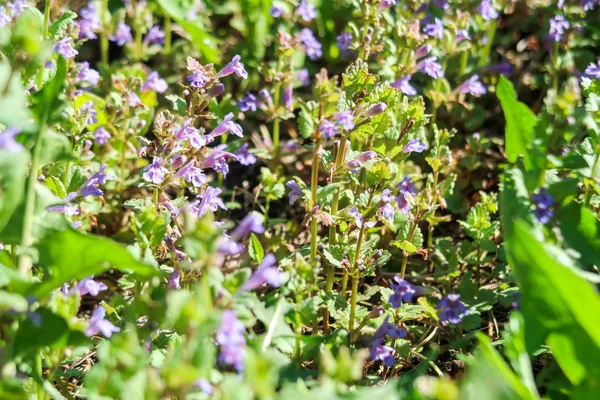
(491, 378)
(48, 102)
(405, 245)
(12, 181)
(178, 105)
(58, 27)
(27, 32)
(581, 231)
(520, 123)
(255, 249)
(558, 306)
(70, 255)
(56, 147)
(306, 123)
(47, 329)
(13, 102)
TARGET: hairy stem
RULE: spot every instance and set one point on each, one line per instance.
(40, 81)
(167, 28)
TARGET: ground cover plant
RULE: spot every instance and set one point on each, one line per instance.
(290, 199)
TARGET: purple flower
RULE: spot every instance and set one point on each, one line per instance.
(588, 4)
(251, 223)
(382, 353)
(89, 23)
(155, 82)
(388, 329)
(217, 90)
(191, 174)
(366, 156)
(487, 10)
(543, 202)
(87, 74)
(99, 324)
(327, 128)
(234, 66)
(217, 160)
(133, 99)
(403, 292)
(306, 11)
(387, 4)
(406, 186)
(17, 7)
(88, 286)
(343, 42)
(248, 102)
(359, 219)
(101, 135)
(388, 211)
(276, 11)
(89, 187)
(345, 119)
(303, 76)
(593, 70)
(266, 96)
(353, 165)
(63, 47)
(452, 310)
(122, 35)
(376, 109)
(154, 36)
(443, 4)
(472, 86)
(231, 339)
(174, 279)
(204, 385)
(244, 156)
(558, 28)
(5, 19)
(414, 145)
(210, 201)
(296, 192)
(431, 67)
(310, 44)
(266, 273)
(504, 68)
(8, 142)
(197, 79)
(403, 85)
(88, 111)
(423, 51)
(461, 35)
(229, 247)
(227, 126)
(436, 29)
(184, 131)
(67, 208)
(155, 172)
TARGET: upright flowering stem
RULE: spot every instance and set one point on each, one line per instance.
(355, 279)
(104, 35)
(276, 121)
(433, 202)
(485, 54)
(404, 256)
(313, 185)
(167, 35)
(588, 193)
(44, 36)
(26, 262)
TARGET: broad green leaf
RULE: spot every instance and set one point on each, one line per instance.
(520, 123)
(48, 102)
(58, 26)
(27, 32)
(13, 101)
(56, 147)
(491, 378)
(70, 255)
(13, 167)
(255, 249)
(45, 329)
(581, 230)
(559, 307)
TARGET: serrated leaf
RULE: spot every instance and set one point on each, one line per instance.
(255, 249)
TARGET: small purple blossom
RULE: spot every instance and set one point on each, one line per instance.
(343, 42)
(487, 10)
(5, 19)
(376, 109)
(327, 128)
(191, 174)
(414, 145)
(204, 385)
(382, 353)
(406, 186)
(266, 96)
(197, 79)
(88, 286)
(8, 142)
(423, 51)
(345, 119)
(558, 27)
(296, 190)
(234, 66)
(231, 339)
(122, 35)
(589, 4)
(387, 4)
(276, 11)
(154, 36)
(227, 126)
(403, 84)
(229, 247)
(310, 44)
(87, 74)
(101, 135)
(217, 159)
(90, 22)
(461, 35)
(89, 188)
(303, 76)
(155, 82)
(359, 219)
(435, 29)
(431, 67)
(251, 223)
(244, 156)
(452, 310)
(249, 102)
(593, 70)
(266, 273)
(388, 211)
(174, 279)
(88, 111)
(366, 156)
(306, 11)
(99, 324)
(64, 48)
(155, 172)
(210, 201)
(472, 86)
(403, 292)
(68, 208)
(543, 203)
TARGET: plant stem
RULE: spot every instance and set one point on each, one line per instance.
(276, 121)
(27, 239)
(40, 81)
(355, 279)
(588, 193)
(155, 196)
(483, 60)
(138, 44)
(167, 34)
(433, 203)
(104, 36)
(313, 185)
(405, 256)
(66, 176)
(40, 372)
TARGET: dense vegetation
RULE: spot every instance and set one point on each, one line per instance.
(299, 199)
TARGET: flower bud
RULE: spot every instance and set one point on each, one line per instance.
(376, 109)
